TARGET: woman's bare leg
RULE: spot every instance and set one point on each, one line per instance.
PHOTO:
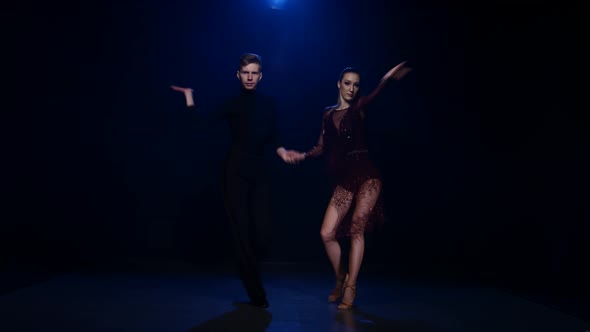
(365, 202)
(337, 209)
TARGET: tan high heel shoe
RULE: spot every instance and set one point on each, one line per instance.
(338, 290)
(348, 305)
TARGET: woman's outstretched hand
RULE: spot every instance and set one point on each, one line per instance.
(397, 72)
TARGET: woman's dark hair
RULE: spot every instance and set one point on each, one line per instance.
(348, 70)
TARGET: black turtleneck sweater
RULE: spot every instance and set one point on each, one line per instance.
(252, 120)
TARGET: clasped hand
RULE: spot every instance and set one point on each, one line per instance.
(292, 156)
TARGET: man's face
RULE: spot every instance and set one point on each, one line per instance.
(249, 76)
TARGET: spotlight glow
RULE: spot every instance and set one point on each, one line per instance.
(277, 4)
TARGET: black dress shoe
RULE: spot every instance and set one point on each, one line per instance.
(260, 303)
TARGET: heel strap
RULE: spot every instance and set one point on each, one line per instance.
(352, 287)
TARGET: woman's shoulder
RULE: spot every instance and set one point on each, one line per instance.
(329, 109)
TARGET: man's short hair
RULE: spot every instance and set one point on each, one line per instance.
(248, 58)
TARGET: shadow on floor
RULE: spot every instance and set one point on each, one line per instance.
(243, 318)
(358, 320)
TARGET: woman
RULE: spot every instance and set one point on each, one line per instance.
(354, 207)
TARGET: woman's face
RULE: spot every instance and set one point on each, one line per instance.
(349, 86)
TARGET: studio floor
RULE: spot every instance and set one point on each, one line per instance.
(185, 298)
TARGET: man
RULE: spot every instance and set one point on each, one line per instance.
(252, 122)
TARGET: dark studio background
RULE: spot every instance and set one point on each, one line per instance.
(483, 147)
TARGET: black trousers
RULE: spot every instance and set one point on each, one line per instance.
(247, 202)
